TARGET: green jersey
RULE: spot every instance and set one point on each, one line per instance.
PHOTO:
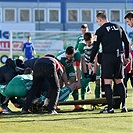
(80, 44)
(18, 86)
(68, 63)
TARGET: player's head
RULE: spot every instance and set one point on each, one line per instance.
(84, 28)
(101, 18)
(19, 66)
(88, 38)
(28, 38)
(70, 51)
(129, 19)
(28, 71)
(10, 62)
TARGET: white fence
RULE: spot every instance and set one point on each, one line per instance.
(44, 41)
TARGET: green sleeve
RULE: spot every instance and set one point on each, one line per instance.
(77, 56)
(76, 46)
(81, 48)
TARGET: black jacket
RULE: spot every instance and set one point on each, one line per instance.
(7, 72)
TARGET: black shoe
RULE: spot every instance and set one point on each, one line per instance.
(124, 109)
(53, 112)
(25, 111)
(106, 111)
(6, 110)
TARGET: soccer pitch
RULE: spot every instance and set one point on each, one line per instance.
(70, 122)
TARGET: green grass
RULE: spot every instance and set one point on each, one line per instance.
(70, 122)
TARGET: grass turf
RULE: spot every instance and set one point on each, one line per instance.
(70, 122)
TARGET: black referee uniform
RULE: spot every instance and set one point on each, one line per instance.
(111, 36)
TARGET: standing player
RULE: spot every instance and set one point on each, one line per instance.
(96, 67)
(111, 36)
(81, 42)
(129, 19)
(28, 49)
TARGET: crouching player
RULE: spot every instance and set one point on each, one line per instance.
(18, 86)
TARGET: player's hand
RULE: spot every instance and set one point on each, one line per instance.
(35, 53)
(131, 43)
(126, 61)
(78, 85)
(86, 75)
(90, 66)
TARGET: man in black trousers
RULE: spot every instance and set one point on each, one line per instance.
(111, 36)
(45, 68)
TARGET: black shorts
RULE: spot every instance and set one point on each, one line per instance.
(112, 66)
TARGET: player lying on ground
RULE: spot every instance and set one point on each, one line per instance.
(19, 86)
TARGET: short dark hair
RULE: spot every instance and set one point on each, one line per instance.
(129, 15)
(84, 26)
(87, 36)
(28, 70)
(102, 15)
(28, 36)
(70, 50)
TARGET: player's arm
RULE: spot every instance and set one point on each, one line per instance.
(126, 44)
(130, 57)
(76, 46)
(34, 52)
(33, 49)
(78, 70)
(95, 48)
(78, 57)
(83, 64)
(64, 77)
(95, 65)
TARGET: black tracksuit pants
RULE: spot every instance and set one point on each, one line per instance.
(44, 69)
